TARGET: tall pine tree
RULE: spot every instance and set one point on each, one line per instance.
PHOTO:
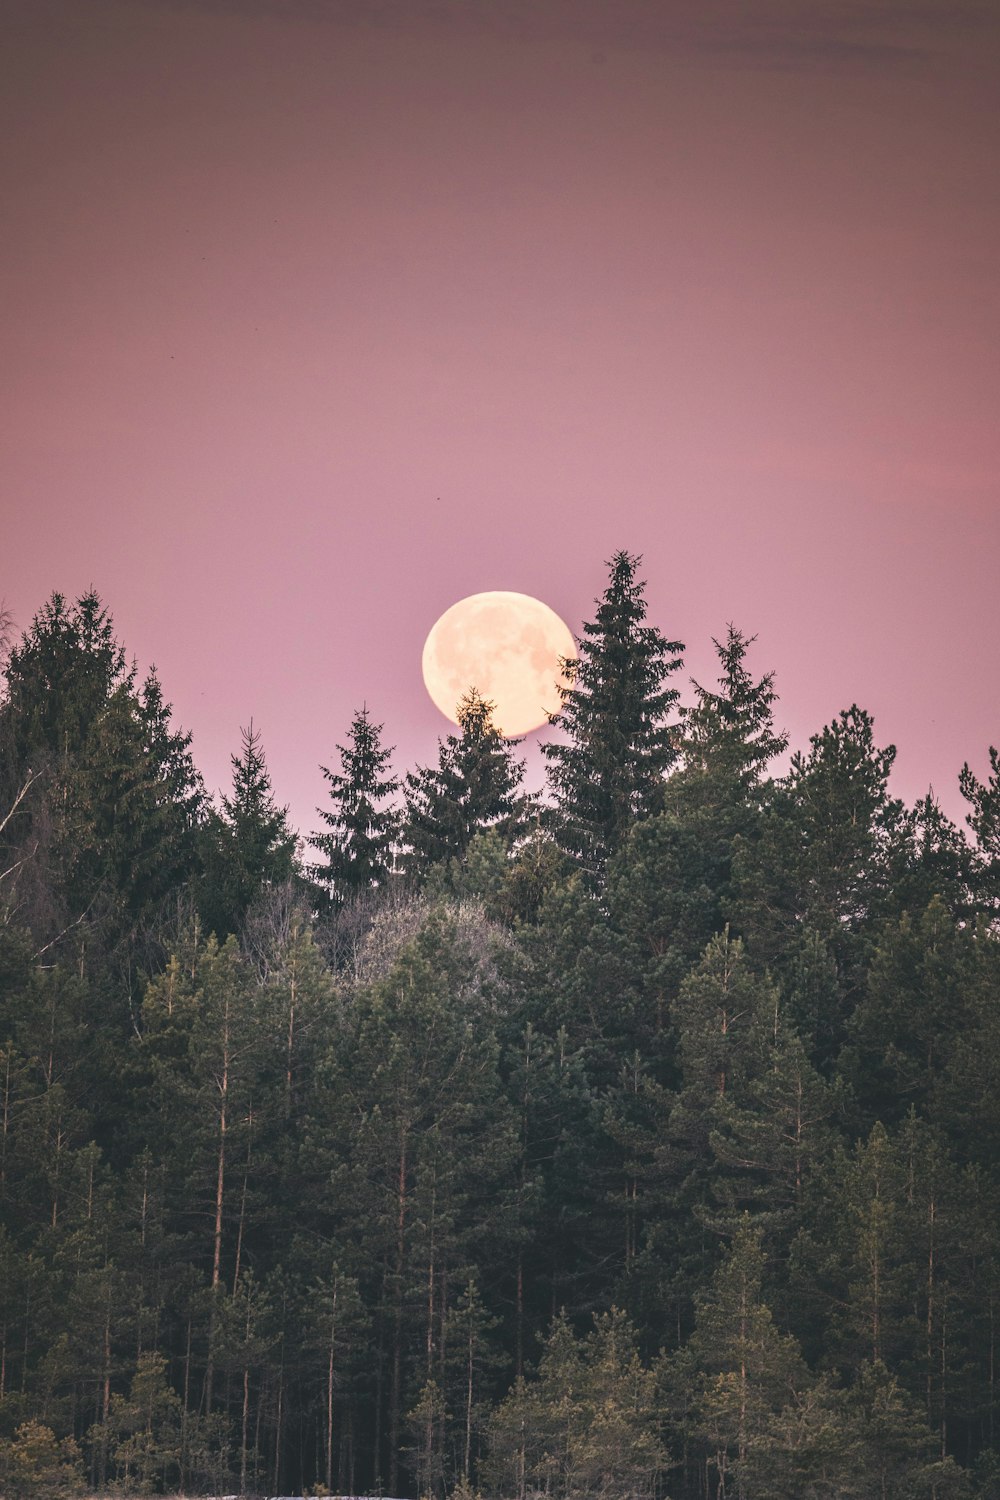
(475, 786)
(358, 846)
(105, 795)
(250, 846)
(609, 770)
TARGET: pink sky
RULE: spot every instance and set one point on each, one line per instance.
(322, 315)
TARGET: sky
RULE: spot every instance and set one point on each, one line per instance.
(320, 315)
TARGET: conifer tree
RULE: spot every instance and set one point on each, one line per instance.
(250, 846)
(107, 795)
(358, 848)
(670, 886)
(609, 770)
(829, 848)
(730, 733)
(737, 1371)
(475, 786)
(587, 1425)
(925, 984)
(984, 820)
(937, 861)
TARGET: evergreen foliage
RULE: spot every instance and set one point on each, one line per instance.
(649, 1149)
(984, 820)
(249, 847)
(358, 849)
(474, 788)
(609, 769)
(101, 800)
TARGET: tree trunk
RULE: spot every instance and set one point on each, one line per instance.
(220, 1186)
(243, 1202)
(329, 1395)
(396, 1387)
(185, 1405)
(468, 1406)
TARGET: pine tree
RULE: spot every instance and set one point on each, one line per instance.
(587, 1425)
(937, 861)
(59, 678)
(729, 734)
(921, 999)
(415, 1077)
(984, 820)
(475, 786)
(358, 848)
(108, 799)
(670, 886)
(737, 1371)
(609, 770)
(829, 848)
(250, 846)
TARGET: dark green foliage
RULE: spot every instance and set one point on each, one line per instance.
(588, 1425)
(823, 862)
(473, 789)
(729, 734)
(936, 861)
(669, 889)
(927, 988)
(609, 769)
(359, 847)
(984, 820)
(653, 1150)
(735, 1375)
(104, 795)
(249, 847)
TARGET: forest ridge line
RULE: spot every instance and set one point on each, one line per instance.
(640, 1140)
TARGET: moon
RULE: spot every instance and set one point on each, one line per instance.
(507, 646)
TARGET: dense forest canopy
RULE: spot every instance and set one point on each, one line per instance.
(641, 1138)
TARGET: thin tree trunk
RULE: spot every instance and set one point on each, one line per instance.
(329, 1394)
(290, 1046)
(55, 1178)
(930, 1313)
(184, 1406)
(395, 1394)
(944, 1377)
(243, 1201)
(244, 1423)
(430, 1289)
(992, 1367)
(279, 1414)
(105, 1394)
(6, 1124)
(379, 1384)
(468, 1403)
(220, 1186)
(519, 1317)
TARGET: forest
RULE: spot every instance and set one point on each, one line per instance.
(635, 1139)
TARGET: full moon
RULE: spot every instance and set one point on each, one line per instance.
(508, 647)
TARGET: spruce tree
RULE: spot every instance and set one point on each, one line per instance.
(831, 843)
(107, 795)
(250, 846)
(475, 786)
(358, 848)
(736, 1372)
(984, 820)
(670, 886)
(729, 735)
(609, 770)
